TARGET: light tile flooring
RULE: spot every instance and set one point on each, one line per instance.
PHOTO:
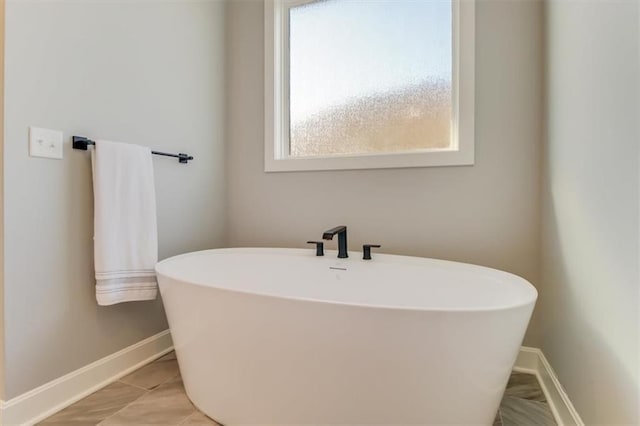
(154, 395)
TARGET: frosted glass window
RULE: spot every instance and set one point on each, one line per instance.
(370, 76)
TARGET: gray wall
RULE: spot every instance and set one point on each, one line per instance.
(135, 71)
(2, 200)
(486, 214)
(590, 264)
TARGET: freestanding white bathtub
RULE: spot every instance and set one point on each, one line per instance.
(280, 336)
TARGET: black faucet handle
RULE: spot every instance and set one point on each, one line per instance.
(366, 250)
(319, 247)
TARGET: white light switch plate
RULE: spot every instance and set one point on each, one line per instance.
(45, 143)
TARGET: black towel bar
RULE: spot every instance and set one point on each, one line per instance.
(80, 142)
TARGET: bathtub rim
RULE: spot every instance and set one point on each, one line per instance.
(285, 250)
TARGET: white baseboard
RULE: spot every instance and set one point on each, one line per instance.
(43, 401)
(532, 360)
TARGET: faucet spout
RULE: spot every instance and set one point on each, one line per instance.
(342, 239)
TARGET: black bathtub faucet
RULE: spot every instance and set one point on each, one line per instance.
(342, 239)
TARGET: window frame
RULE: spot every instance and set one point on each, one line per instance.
(276, 104)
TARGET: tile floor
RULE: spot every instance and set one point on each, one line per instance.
(154, 395)
(523, 403)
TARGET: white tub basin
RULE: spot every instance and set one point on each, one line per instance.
(280, 336)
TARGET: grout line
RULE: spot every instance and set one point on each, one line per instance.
(156, 386)
(101, 420)
(108, 417)
(167, 381)
(188, 416)
(135, 386)
(147, 392)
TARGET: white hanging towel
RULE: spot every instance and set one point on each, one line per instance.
(125, 223)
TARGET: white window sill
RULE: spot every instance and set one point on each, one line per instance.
(372, 161)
